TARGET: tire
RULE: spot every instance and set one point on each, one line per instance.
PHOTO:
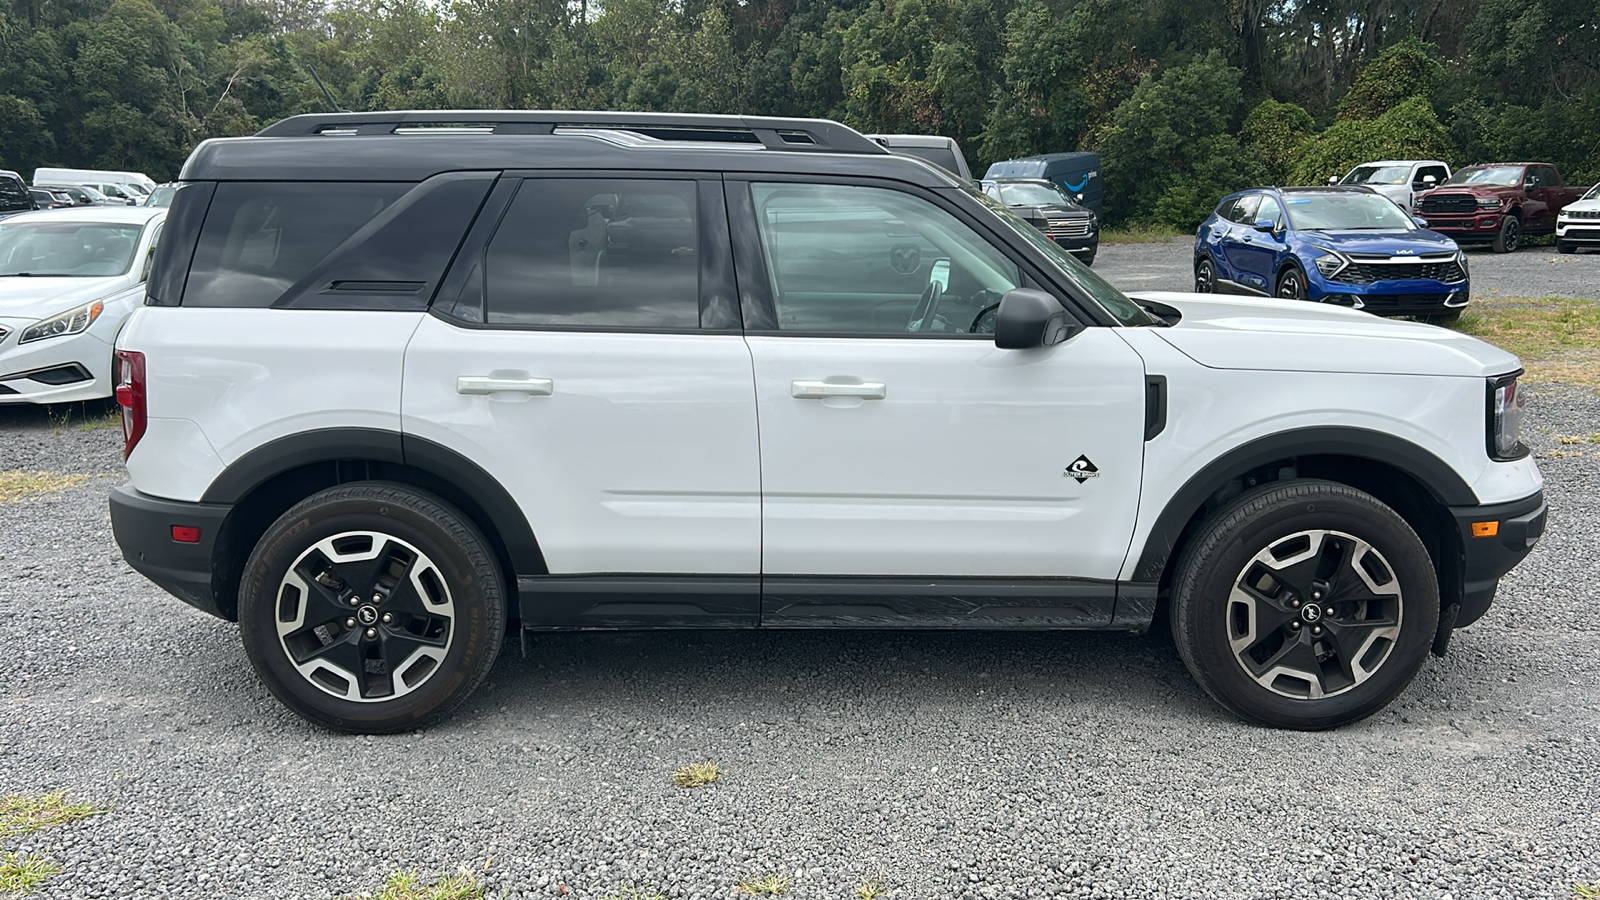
(1563, 247)
(1388, 607)
(1089, 260)
(380, 578)
(1205, 276)
(1291, 284)
(1510, 236)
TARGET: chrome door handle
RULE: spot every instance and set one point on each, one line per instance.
(483, 384)
(822, 390)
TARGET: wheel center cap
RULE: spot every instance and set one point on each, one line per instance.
(1311, 612)
(368, 615)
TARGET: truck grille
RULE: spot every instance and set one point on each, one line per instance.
(1372, 273)
(1448, 203)
(1584, 214)
(1068, 228)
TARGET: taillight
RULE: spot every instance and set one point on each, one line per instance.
(130, 396)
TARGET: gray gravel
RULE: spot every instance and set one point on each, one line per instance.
(1530, 272)
(948, 766)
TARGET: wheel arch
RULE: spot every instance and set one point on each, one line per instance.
(264, 483)
(1414, 482)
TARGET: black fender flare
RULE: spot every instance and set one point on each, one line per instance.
(1436, 476)
(334, 445)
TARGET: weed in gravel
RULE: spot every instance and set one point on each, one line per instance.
(15, 485)
(1558, 338)
(696, 775)
(1563, 454)
(634, 894)
(409, 886)
(1585, 891)
(23, 875)
(765, 886)
(1579, 438)
(872, 890)
(25, 814)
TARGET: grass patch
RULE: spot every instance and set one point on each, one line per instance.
(766, 886)
(872, 890)
(634, 894)
(409, 886)
(696, 775)
(17, 484)
(1135, 233)
(25, 814)
(87, 416)
(23, 875)
(1557, 338)
(1585, 891)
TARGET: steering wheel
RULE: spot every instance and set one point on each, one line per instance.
(927, 306)
(977, 321)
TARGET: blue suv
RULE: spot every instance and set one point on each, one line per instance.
(1345, 245)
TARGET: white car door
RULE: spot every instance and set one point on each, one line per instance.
(912, 472)
(587, 355)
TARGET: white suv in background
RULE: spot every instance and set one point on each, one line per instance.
(1401, 180)
(1578, 224)
(403, 378)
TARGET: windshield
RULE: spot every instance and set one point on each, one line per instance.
(1125, 311)
(1346, 212)
(135, 189)
(1378, 175)
(1594, 193)
(1509, 176)
(1031, 195)
(67, 249)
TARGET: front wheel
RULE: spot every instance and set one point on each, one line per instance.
(1510, 236)
(1305, 604)
(372, 608)
(1564, 247)
(1292, 284)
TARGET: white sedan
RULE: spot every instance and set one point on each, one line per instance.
(68, 281)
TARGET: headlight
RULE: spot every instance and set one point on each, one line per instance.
(1506, 405)
(1490, 203)
(1330, 263)
(73, 321)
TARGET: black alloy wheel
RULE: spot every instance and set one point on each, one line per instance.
(1510, 236)
(1304, 604)
(1205, 276)
(1291, 284)
(372, 607)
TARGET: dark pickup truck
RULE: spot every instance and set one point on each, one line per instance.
(1497, 204)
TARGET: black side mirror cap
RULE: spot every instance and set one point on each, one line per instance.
(1028, 319)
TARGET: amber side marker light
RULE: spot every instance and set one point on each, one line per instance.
(1485, 529)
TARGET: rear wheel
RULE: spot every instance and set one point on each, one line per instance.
(1205, 276)
(1305, 604)
(372, 608)
(1510, 236)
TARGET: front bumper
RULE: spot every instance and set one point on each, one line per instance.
(1516, 527)
(1584, 231)
(1467, 227)
(142, 526)
(1401, 297)
(58, 370)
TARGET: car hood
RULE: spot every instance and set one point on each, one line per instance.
(1582, 206)
(40, 298)
(1385, 242)
(1298, 336)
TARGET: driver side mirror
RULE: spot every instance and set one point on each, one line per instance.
(1421, 222)
(1028, 319)
(1429, 179)
(1265, 226)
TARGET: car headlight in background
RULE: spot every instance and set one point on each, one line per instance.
(1506, 405)
(1490, 203)
(1330, 262)
(73, 321)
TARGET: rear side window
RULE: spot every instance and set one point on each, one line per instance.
(259, 238)
(14, 195)
(608, 253)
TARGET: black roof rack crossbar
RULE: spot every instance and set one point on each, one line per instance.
(813, 135)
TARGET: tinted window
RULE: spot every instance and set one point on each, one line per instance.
(1438, 172)
(593, 252)
(1547, 176)
(1243, 210)
(14, 194)
(861, 260)
(259, 238)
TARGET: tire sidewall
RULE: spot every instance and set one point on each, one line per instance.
(477, 597)
(1294, 272)
(1207, 610)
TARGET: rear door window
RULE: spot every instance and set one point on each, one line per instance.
(14, 195)
(259, 238)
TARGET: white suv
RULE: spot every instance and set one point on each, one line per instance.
(404, 378)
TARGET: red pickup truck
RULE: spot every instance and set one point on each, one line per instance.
(1497, 204)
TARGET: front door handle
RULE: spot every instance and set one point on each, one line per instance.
(822, 390)
(483, 384)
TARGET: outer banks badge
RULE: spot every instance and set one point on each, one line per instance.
(1082, 470)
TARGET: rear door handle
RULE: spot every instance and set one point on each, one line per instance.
(483, 384)
(822, 390)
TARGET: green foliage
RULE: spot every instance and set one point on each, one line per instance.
(1277, 132)
(1404, 70)
(1169, 150)
(1408, 131)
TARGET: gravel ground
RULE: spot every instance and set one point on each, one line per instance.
(946, 765)
(1530, 272)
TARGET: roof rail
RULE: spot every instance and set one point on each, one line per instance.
(813, 135)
